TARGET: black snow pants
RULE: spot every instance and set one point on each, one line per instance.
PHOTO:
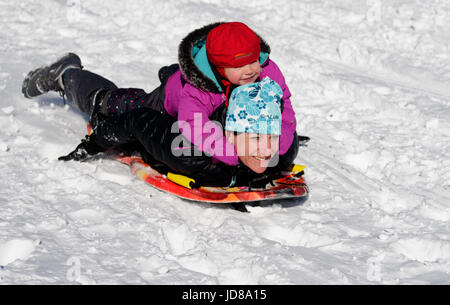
(91, 92)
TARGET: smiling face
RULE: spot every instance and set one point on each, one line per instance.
(256, 151)
(243, 75)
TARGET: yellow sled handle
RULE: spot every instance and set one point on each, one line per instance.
(295, 168)
(181, 180)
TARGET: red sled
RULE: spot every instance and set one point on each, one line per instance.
(291, 186)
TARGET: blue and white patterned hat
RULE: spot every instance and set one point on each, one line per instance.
(255, 108)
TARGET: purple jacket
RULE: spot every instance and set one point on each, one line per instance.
(193, 92)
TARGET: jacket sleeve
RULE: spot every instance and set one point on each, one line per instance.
(200, 130)
(288, 120)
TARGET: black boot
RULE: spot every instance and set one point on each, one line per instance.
(48, 78)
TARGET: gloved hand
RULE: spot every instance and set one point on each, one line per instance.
(85, 149)
(303, 140)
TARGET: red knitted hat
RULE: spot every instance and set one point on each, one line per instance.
(231, 45)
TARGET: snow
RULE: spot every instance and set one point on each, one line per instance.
(15, 249)
(370, 87)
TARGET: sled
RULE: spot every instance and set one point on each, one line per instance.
(290, 186)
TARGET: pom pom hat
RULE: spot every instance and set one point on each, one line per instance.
(232, 45)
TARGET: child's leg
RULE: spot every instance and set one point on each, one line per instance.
(66, 76)
(123, 100)
(98, 96)
(84, 88)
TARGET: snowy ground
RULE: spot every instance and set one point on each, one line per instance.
(370, 83)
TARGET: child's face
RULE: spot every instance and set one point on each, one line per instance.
(243, 75)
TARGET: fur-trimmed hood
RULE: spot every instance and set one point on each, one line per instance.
(193, 61)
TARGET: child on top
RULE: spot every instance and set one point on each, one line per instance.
(213, 61)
